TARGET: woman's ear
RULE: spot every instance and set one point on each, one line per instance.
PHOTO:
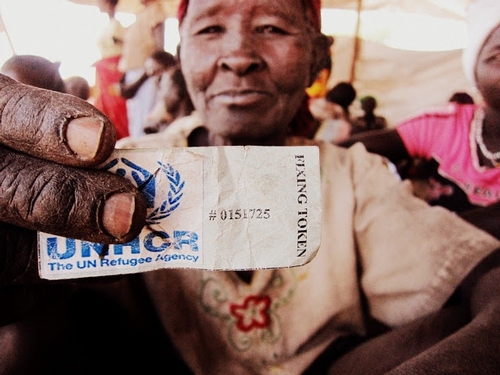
(321, 55)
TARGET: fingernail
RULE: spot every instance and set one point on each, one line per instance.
(84, 136)
(118, 214)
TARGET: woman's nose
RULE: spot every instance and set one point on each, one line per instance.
(240, 56)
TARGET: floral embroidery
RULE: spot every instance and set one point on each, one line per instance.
(253, 313)
(255, 320)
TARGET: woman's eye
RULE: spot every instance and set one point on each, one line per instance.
(269, 29)
(211, 30)
(493, 58)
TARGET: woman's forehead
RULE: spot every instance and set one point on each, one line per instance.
(213, 6)
(204, 8)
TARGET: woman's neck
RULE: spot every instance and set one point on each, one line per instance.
(491, 124)
(203, 137)
(488, 137)
(273, 140)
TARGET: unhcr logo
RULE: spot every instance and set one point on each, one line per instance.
(146, 182)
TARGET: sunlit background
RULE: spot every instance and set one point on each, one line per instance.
(62, 31)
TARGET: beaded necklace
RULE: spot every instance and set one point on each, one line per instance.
(478, 127)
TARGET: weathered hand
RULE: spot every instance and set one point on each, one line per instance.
(48, 144)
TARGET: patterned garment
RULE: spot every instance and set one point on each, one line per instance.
(278, 321)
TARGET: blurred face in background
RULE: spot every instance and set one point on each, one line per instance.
(488, 70)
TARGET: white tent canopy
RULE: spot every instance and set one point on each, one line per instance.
(441, 8)
(390, 51)
(409, 57)
(402, 81)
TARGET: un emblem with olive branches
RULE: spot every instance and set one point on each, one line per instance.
(146, 183)
(174, 195)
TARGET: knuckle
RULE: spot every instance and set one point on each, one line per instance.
(35, 120)
(51, 199)
(34, 196)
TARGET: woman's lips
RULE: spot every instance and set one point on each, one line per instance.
(241, 97)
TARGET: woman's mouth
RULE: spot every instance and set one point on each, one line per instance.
(241, 98)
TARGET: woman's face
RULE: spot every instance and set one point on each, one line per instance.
(488, 70)
(246, 64)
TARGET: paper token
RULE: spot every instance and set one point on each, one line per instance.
(215, 208)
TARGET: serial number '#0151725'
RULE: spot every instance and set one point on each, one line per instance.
(241, 214)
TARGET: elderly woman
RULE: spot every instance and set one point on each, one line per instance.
(387, 259)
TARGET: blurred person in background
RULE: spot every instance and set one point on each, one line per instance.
(77, 86)
(141, 40)
(154, 68)
(333, 113)
(369, 120)
(107, 90)
(173, 101)
(35, 71)
(460, 143)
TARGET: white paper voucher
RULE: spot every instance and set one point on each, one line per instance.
(215, 208)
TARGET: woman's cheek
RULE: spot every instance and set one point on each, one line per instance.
(290, 82)
(295, 65)
(194, 69)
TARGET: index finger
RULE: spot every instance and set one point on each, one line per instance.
(53, 126)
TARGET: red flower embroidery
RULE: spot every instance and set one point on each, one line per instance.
(253, 313)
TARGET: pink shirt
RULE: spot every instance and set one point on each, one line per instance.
(446, 135)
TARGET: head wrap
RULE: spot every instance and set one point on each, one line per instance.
(304, 123)
(182, 9)
(483, 17)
